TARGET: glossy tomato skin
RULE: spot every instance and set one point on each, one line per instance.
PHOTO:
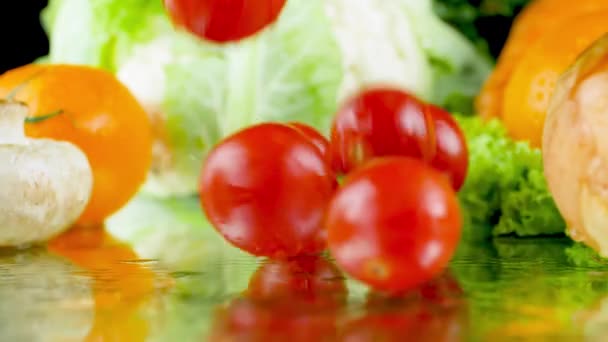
(318, 140)
(390, 122)
(315, 136)
(394, 224)
(223, 21)
(266, 190)
(379, 122)
(451, 155)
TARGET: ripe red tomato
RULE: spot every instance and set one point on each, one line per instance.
(224, 20)
(390, 122)
(452, 155)
(295, 300)
(266, 190)
(367, 126)
(315, 137)
(394, 224)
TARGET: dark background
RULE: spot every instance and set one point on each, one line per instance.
(23, 39)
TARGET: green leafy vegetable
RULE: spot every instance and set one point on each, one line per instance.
(505, 191)
(583, 256)
(318, 53)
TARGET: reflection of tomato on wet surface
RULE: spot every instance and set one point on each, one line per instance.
(435, 312)
(296, 300)
(120, 284)
(100, 116)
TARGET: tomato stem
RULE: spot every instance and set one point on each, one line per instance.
(41, 118)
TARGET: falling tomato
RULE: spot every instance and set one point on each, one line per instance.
(224, 21)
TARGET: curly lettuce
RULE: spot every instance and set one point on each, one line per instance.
(505, 192)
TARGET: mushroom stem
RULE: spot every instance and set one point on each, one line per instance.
(12, 121)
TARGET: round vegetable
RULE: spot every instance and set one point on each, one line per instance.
(451, 152)
(313, 135)
(394, 224)
(46, 184)
(390, 122)
(266, 189)
(100, 116)
(367, 126)
(224, 20)
(536, 19)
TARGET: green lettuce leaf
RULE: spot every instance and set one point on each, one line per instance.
(505, 192)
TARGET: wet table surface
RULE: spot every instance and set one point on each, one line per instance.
(158, 272)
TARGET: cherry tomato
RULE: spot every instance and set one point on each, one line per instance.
(224, 20)
(366, 127)
(315, 137)
(390, 122)
(451, 154)
(266, 189)
(318, 139)
(295, 300)
(394, 224)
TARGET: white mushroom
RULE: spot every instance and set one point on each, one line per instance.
(44, 184)
(575, 147)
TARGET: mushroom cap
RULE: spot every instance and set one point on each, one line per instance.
(45, 186)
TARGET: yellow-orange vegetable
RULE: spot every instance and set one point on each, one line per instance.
(100, 116)
(527, 94)
(535, 20)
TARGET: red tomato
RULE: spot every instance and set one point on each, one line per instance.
(451, 155)
(266, 190)
(368, 126)
(224, 20)
(294, 300)
(394, 224)
(315, 137)
(391, 122)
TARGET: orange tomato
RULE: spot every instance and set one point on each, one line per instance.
(527, 94)
(100, 116)
(535, 20)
